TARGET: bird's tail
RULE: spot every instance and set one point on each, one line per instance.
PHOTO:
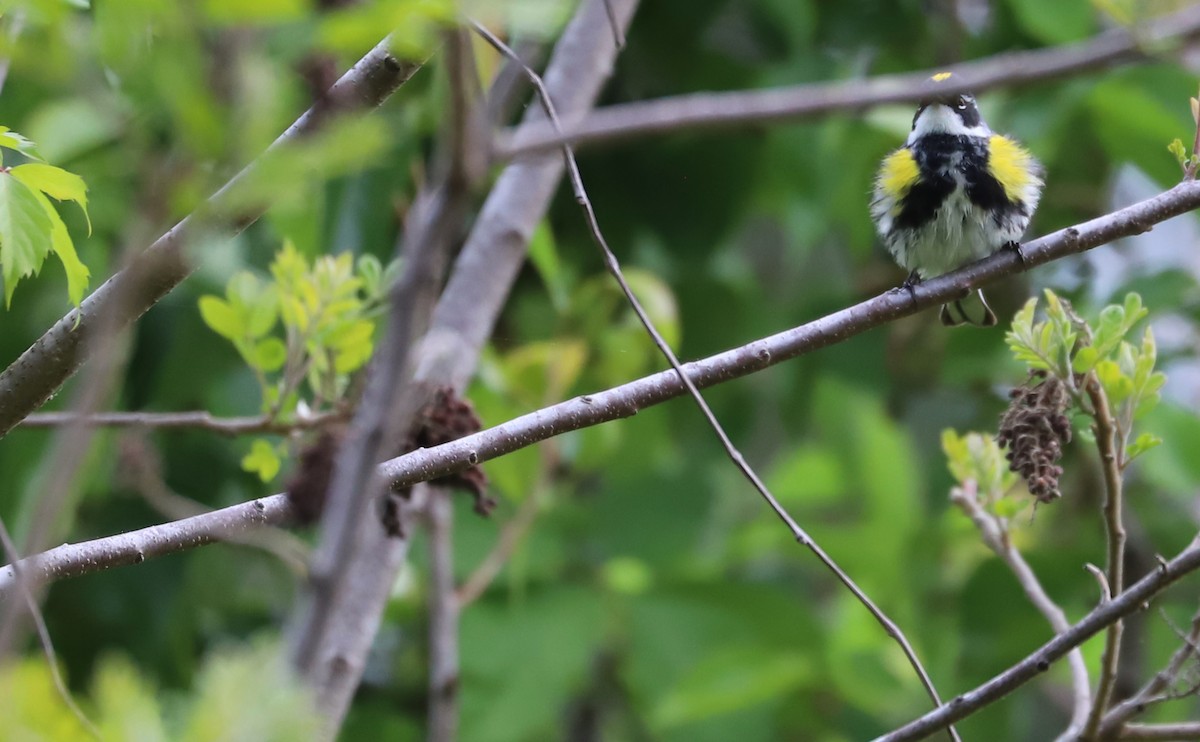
(966, 311)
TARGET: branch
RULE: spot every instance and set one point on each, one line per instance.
(41, 370)
(444, 610)
(1178, 731)
(1104, 615)
(1154, 691)
(735, 456)
(627, 399)
(708, 110)
(389, 406)
(994, 533)
(1108, 443)
(202, 420)
(135, 547)
(511, 535)
(444, 348)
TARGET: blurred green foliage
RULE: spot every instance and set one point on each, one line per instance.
(655, 597)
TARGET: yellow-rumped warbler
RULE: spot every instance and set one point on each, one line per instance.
(954, 193)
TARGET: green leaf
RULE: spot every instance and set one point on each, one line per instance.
(262, 460)
(221, 317)
(1144, 443)
(56, 183)
(15, 141)
(370, 270)
(1116, 384)
(1176, 148)
(354, 346)
(269, 354)
(64, 248)
(1085, 359)
(24, 233)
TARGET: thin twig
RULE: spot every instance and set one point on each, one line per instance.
(743, 107)
(994, 533)
(1108, 439)
(618, 35)
(202, 420)
(610, 260)
(1102, 616)
(139, 464)
(1155, 690)
(1174, 732)
(1101, 581)
(135, 547)
(43, 634)
(511, 536)
(512, 533)
(443, 618)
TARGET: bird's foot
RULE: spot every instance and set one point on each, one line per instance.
(1016, 247)
(909, 285)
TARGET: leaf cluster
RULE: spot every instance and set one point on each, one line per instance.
(1064, 345)
(30, 227)
(303, 333)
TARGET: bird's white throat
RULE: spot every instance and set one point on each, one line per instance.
(938, 118)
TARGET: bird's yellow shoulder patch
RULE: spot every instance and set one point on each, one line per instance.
(1012, 165)
(898, 173)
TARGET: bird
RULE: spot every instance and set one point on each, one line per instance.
(954, 193)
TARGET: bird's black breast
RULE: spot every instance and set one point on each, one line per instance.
(947, 161)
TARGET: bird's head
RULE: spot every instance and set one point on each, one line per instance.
(945, 109)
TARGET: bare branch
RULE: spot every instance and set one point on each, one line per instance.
(511, 535)
(1175, 732)
(627, 399)
(388, 409)
(1108, 443)
(443, 618)
(1155, 690)
(994, 532)
(1104, 615)
(614, 268)
(41, 370)
(202, 420)
(707, 110)
(135, 547)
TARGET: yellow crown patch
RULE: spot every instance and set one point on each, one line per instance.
(942, 76)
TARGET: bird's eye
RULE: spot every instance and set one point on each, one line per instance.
(961, 103)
